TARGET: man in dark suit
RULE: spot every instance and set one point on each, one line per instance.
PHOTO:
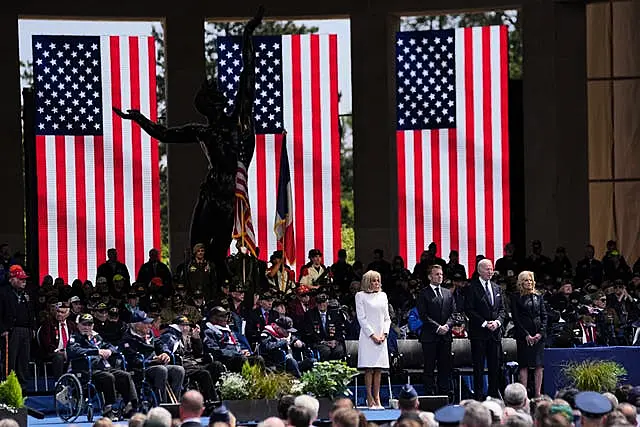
(260, 317)
(324, 330)
(485, 309)
(191, 409)
(54, 336)
(436, 306)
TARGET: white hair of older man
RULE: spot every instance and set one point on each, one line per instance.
(272, 422)
(161, 415)
(310, 403)
(515, 395)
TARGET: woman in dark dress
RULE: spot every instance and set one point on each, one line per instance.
(530, 319)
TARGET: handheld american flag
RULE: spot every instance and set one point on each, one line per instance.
(97, 175)
(452, 142)
(296, 89)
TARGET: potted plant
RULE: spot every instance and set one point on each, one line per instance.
(253, 394)
(327, 381)
(11, 400)
(594, 375)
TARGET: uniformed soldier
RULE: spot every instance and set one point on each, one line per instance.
(450, 415)
(200, 273)
(280, 277)
(314, 274)
(100, 318)
(129, 306)
(198, 301)
(107, 379)
(114, 328)
(593, 408)
(324, 330)
(179, 308)
(244, 271)
(137, 340)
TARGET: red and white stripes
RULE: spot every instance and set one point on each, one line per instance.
(98, 192)
(453, 184)
(310, 92)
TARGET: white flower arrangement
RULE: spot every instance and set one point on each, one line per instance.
(233, 386)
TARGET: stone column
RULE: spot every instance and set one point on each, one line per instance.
(185, 72)
(555, 125)
(374, 158)
(11, 162)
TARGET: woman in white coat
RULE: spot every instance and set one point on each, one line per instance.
(372, 308)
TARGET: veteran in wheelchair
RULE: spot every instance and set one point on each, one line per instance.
(153, 358)
(92, 361)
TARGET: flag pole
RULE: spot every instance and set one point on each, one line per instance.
(284, 225)
(242, 243)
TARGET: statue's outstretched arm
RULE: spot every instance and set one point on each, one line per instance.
(247, 86)
(186, 133)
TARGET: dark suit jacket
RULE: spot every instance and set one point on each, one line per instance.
(191, 424)
(435, 312)
(50, 334)
(479, 310)
(256, 323)
(314, 333)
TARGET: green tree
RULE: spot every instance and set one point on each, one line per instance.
(510, 18)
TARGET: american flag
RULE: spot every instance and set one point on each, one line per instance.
(452, 142)
(97, 175)
(296, 90)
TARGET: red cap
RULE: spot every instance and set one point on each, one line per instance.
(17, 272)
(157, 281)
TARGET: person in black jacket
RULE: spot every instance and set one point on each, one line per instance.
(279, 346)
(260, 317)
(436, 306)
(111, 267)
(137, 343)
(222, 343)
(530, 320)
(324, 330)
(484, 307)
(108, 380)
(17, 321)
(155, 268)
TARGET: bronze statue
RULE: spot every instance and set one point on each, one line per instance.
(225, 139)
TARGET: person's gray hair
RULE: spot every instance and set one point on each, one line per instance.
(612, 398)
(161, 415)
(428, 418)
(630, 412)
(518, 419)
(137, 420)
(485, 261)
(272, 422)
(8, 422)
(476, 415)
(365, 283)
(310, 403)
(515, 395)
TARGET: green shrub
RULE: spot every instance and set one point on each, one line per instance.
(11, 392)
(255, 383)
(328, 379)
(594, 375)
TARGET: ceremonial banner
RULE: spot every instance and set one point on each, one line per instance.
(296, 90)
(97, 175)
(452, 142)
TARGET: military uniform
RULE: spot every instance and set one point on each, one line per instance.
(245, 273)
(323, 327)
(179, 308)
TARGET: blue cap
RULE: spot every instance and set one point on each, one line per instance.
(220, 414)
(408, 392)
(450, 414)
(592, 404)
(140, 316)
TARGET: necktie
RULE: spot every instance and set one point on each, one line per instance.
(438, 292)
(65, 337)
(266, 317)
(488, 292)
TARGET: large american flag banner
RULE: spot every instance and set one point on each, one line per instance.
(296, 90)
(452, 142)
(97, 175)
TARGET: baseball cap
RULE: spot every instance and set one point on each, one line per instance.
(198, 293)
(182, 320)
(85, 318)
(285, 323)
(101, 307)
(218, 311)
(322, 298)
(139, 316)
(118, 277)
(314, 252)
(16, 272)
(113, 311)
(266, 296)
(73, 299)
(101, 280)
(180, 287)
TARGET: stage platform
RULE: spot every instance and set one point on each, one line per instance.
(378, 417)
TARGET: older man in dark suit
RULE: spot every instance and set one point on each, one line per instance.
(436, 306)
(484, 306)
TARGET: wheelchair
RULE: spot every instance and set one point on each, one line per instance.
(146, 395)
(75, 393)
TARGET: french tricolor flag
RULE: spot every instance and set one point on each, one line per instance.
(283, 225)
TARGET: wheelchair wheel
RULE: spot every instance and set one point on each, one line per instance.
(147, 398)
(68, 398)
(94, 402)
